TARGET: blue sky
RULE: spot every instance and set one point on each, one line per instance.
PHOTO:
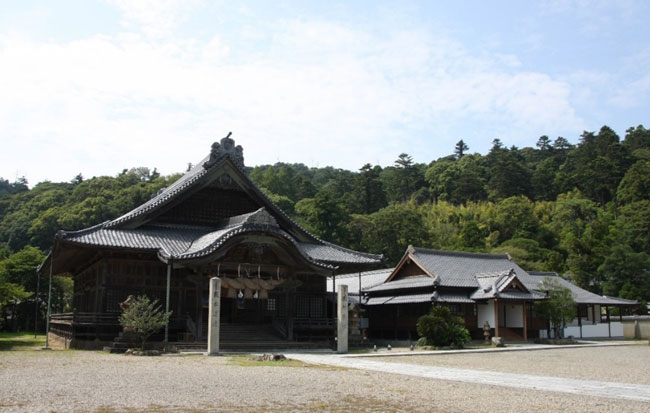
(99, 86)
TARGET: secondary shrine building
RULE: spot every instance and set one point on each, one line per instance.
(212, 222)
(488, 291)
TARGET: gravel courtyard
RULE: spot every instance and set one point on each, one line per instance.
(63, 381)
(626, 364)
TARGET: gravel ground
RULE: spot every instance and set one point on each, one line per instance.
(63, 381)
(622, 364)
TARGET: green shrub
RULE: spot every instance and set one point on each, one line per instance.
(440, 328)
(143, 318)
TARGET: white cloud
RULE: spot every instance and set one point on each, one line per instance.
(156, 18)
(319, 92)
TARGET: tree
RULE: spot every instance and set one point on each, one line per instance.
(508, 174)
(368, 195)
(597, 165)
(559, 307)
(626, 273)
(442, 177)
(144, 317)
(637, 138)
(390, 230)
(440, 328)
(325, 216)
(544, 143)
(402, 180)
(514, 217)
(460, 148)
(635, 185)
(561, 144)
(77, 179)
(471, 236)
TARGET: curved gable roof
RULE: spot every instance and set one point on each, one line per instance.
(138, 229)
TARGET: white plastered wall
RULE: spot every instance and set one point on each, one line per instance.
(485, 313)
(514, 315)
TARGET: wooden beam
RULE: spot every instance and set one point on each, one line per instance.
(580, 321)
(496, 318)
(523, 305)
(169, 277)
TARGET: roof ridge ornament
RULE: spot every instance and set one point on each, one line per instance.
(261, 217)
(226, 148)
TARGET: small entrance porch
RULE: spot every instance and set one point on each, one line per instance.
(511, 319)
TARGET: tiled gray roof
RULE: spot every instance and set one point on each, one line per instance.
(399, 299)
(369, 279)
(459, 269)
(168, 240)
(188, 242)
(165, 195)
(313, 246)
(330, 253)
(378, 300)
(447, 297)
(493, 285)
(520, 295)
(419, 281)
(410, 299)
(580, 296)
(622, 301)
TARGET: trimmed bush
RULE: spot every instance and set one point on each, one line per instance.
(440, 328)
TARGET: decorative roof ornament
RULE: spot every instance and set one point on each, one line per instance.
(261, 217)
(226, 148)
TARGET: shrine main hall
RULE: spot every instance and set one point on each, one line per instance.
(212, 222)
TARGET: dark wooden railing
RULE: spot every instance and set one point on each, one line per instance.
(89, 325)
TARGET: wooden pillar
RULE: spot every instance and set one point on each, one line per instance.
(496, 318)
(169, 278)
(49, 302)
(291, 304)
(199, 307)
(620, 313)
(523, 306)
(609, 322)
(580, 321)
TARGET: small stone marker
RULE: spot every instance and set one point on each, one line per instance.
(214, 316)
(497, 341)
(342, 316)
(270, 357)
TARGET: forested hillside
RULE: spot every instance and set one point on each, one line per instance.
(581, 210)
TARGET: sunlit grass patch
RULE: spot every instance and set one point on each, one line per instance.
(249, 361)
(21, 341)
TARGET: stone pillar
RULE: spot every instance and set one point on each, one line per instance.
(214, 316)
(342, 318)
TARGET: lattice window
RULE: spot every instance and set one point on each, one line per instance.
(302, 306)
(317, 307)
(454, 308)
(113, 300)
(271, 306)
